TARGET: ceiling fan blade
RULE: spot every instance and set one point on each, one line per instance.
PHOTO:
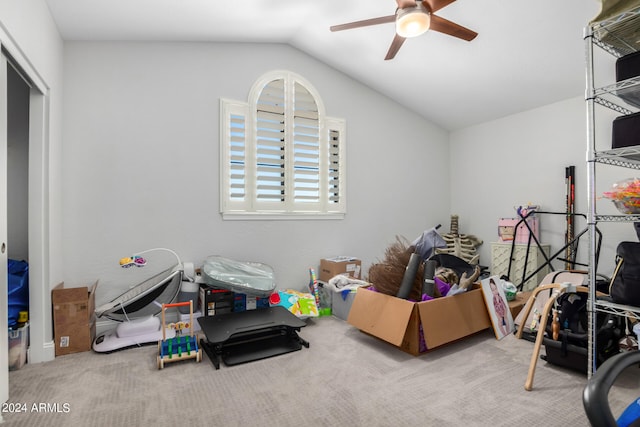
(396, 44)
(451, 28)
(405, 3)
(435, 5)
(364, 23)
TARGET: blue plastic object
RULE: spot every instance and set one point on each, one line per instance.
(630, 415)
(18, 284)
(595, 396)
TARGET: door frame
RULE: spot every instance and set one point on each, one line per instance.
(41, 346)
(4, 320)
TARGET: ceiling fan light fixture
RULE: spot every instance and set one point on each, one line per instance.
(412, 21)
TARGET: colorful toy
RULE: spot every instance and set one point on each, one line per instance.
(179, 347)
(313, 286)
(299, 303)
(136, 260)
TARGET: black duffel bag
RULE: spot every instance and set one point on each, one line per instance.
(625, 283)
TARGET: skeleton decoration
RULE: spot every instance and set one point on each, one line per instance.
(461, 245)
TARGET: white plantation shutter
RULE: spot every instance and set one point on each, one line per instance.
(233, 156)
(335, 172)
(270, 144)
(335, 165)
(281, 157)
(237, 160)
(306, 148)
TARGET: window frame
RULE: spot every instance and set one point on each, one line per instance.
(239, 200)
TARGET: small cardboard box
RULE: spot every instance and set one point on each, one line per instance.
(398, 321)
(330, 267)
(74, 320)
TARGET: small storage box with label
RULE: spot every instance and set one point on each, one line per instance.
(330, 267)
(215, 301)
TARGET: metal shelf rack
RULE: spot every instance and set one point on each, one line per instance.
(617, 36)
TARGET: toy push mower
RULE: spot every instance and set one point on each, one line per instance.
(180, 347)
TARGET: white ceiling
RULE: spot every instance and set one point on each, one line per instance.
(527, 54)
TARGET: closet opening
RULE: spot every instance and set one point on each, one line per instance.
(17, 202)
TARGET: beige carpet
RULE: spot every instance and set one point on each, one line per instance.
(345, 378)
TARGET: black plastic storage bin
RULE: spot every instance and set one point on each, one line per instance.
(626, 131)
(628, 67)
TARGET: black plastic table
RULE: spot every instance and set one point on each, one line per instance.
(245, 336)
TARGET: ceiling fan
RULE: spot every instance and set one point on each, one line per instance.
(413, 18)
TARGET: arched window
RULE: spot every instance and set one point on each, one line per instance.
(281, 156)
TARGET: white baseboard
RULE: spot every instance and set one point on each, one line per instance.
(46, 354)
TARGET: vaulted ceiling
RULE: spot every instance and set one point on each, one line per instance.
(527, 54)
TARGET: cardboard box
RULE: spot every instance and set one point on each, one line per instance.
(330, 267)
(215, 301)
(74, 320)
(243, 302)
(398, 321)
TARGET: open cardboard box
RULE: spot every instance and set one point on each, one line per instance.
(74, 320)
(398, 321)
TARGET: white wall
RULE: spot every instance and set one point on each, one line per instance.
(141, 161)
(522, 158)
(141, 158)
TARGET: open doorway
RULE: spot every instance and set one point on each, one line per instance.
(41, 347)
(26, 170)
(17, 203)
